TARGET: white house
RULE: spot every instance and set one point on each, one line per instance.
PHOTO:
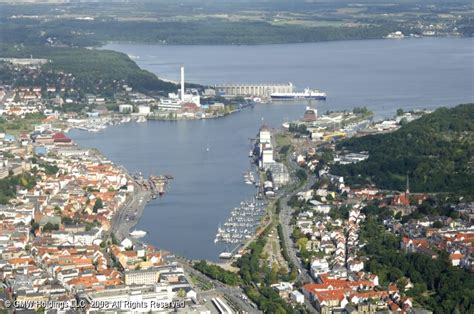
(319, 266)
(126, 243)
(297, 297)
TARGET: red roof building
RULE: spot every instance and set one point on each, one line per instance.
(189, 107)
(61, 138)
(401, 200)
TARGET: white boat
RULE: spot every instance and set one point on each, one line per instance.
(138, 233)
(225, 255)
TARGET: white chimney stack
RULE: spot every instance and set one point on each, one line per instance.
(182, 83)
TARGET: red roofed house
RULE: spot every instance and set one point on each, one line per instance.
(325, 299)
(456, 258)
(413, 245)
(61, 138)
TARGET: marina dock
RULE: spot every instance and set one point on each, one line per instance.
(243, 221)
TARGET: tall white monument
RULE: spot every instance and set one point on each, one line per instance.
(182, 83)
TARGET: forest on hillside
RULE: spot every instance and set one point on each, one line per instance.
(436, 151)
(92, 68)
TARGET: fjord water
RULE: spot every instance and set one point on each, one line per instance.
(382, 74)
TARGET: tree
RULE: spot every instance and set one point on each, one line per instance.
(437, 285)
(400, 112)
(98, 205)
(401, 283)
(301, 175)
(34, 226)
(50, 227)
(434, 149)
(114, 239)
(218, 273)
(398, 215)
(181, 293)
(361, 110)
(301, 242)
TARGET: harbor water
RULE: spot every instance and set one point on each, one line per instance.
(207, 158)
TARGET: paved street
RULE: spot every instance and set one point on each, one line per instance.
(233, 293)
(285, 218)
(133, 209)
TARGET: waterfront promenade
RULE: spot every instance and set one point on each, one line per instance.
(135, 206)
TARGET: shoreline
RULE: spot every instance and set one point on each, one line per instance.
(137, 199)
(104, 122)
(144, 43)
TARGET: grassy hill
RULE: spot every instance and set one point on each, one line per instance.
(436, 151)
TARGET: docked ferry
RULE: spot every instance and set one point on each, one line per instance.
(306, 94)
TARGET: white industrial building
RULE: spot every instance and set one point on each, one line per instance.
(266, 156)
(143, 110)
(176, 100)
(265, 136)
(125, 108)
(280, 174)
(169, 104)
(262, 90)
(265, 148)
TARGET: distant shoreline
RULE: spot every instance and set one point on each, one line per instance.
(146, 43)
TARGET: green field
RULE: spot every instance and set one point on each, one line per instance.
(231, 22)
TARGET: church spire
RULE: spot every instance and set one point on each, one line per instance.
(408, 185)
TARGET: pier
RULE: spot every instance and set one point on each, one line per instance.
(156, 185)
(146, 189)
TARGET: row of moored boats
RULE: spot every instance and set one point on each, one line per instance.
(242, 223)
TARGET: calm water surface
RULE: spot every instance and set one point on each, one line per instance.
(381, 74)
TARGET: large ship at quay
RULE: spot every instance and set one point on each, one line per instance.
(306, 94)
